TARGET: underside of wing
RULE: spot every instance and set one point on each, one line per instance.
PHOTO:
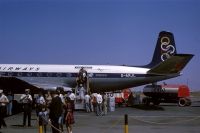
(16, 85)
(51, 86)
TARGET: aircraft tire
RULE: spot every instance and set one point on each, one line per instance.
(182, 102)
(156, 102)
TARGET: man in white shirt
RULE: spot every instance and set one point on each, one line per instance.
(72, 98)
(40, 102)
(40, 99)
(99, 104)
(82, 93)
(87, 103)
(3, 102)
(26, 99)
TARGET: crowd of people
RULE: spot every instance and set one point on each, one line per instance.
(61, 107)
(96, 103)
(54, 107)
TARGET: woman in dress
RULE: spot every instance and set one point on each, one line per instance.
(69, 119)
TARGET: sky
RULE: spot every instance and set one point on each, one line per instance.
(96, 32)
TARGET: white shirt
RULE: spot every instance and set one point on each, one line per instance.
(26, 98)
(3, 100)
(87, 99)
(99, 98)
(82, 92)
(62, 98)
(72, 96)
(40, 100)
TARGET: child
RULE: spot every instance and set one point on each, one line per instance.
(43, 118)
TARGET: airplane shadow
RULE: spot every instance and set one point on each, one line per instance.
(17, 125)
(195, 106)
(150, 107)
(21, 126)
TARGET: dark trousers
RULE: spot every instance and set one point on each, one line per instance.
(38, 109)
(55, 124)
(42, 122)
(27, 113)
(2, 115)
(99, 109)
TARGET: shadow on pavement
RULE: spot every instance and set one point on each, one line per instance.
(150, 107)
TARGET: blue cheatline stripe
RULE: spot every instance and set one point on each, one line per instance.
(70, 75)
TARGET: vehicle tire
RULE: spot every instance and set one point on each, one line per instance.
(146, 101)
(156, 102)
(189, 102)
(182, 102)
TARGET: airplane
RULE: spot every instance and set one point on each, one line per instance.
(165, 64)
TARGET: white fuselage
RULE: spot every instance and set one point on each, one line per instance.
(101, 77)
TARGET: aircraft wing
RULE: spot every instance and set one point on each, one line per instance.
(51, 86)
(172, 65)
(18, 86)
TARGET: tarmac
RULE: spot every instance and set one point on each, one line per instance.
(166, 118)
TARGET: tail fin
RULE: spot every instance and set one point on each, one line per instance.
(165, 48)
(173, 65)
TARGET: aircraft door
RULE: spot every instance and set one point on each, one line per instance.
(82, 78)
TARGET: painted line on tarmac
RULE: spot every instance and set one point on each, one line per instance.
(140, 116)
(142, 119)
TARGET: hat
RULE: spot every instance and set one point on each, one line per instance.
(1, 91)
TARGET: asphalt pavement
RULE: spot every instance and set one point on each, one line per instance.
(166, 118)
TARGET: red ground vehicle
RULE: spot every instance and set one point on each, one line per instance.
(167, 94)
(122, 96)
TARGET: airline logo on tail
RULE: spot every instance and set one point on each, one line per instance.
(167, 49)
